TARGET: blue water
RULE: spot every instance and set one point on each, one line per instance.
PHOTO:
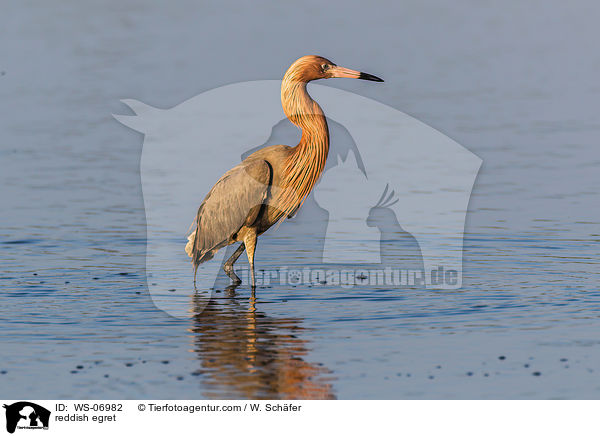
(515, 83)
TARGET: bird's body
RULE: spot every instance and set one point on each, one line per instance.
(271, 183)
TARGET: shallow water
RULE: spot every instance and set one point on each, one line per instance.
(515, 84)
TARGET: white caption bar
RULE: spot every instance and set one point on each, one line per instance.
(300, 417)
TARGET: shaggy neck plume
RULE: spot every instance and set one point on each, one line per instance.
(307, 160)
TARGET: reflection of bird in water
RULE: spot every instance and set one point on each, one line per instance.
(247, 354)
(398, 248)
(271, 183)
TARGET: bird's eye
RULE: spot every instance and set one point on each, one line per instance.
(325, 67)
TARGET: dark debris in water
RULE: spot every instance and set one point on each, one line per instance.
(20, 241)
(536, 373)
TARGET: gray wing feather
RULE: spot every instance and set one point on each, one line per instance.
(233, 202)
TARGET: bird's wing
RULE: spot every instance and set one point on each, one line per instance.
(233, 202)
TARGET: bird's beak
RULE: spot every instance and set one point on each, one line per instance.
(352, 74)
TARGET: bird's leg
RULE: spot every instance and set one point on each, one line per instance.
(250, 243)
(228, 267)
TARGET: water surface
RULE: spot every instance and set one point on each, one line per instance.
(514, 83)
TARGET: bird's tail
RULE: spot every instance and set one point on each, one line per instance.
(194, 248)
(189, 247)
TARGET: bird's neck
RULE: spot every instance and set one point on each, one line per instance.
(307, 159)
(305, 113)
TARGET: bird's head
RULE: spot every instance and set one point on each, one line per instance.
(309, 68)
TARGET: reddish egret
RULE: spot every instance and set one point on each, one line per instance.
(272, 183)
